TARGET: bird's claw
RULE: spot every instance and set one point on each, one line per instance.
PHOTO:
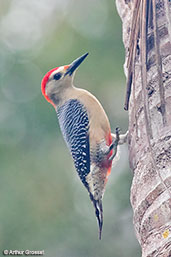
(114, 144)
(118, 130)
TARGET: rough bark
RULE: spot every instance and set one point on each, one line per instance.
(146, 36)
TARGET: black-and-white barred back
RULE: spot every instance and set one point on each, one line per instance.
(74, 124)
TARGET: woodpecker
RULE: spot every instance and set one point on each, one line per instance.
(86, 130)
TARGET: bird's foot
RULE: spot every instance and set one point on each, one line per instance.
(114, 144)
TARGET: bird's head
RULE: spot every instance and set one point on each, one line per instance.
(58, 79)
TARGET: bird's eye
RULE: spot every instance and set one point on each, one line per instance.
(57, 76)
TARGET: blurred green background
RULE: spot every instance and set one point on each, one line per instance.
(43, 204)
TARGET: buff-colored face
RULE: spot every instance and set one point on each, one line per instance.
(58, 79)
(57, 82)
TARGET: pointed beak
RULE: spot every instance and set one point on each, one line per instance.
(75, 64)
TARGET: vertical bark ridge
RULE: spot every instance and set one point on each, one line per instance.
(132, 51)
(143, 35)
(159, 64)
(168, 16)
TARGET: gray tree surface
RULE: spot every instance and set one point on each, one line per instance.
(147, 40)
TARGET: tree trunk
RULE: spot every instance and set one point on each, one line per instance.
(146, 36)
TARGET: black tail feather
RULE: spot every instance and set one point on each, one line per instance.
(99, 214)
